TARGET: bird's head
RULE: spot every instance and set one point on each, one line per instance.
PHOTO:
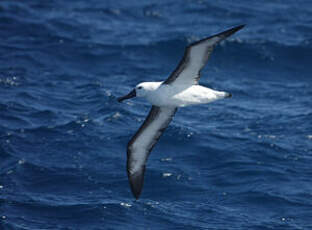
(141, 90)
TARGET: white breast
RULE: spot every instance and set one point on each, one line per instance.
(181, 96)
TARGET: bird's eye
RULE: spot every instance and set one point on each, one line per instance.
(140, 87)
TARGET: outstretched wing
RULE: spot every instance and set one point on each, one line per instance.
(195, 58)
(141, 144)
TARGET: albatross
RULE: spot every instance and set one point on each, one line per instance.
(180, 89)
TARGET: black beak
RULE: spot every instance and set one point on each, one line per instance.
(129, 95)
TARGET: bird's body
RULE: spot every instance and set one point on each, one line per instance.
(180, 95)
(180, 89)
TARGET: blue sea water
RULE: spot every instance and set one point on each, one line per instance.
(241, 163)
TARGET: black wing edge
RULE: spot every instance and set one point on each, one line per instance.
(136, 180)
(223, 34)
(183, 61)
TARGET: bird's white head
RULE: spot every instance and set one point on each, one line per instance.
(141, 90)
(144, 88)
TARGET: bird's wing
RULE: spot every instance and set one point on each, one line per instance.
(141, 144)
(195, 58)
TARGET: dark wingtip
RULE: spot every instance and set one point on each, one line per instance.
(136, 196)
(237, 28)
(240, 26)
(136, 181)
(136, 190)
(233, 30)
(223, 35)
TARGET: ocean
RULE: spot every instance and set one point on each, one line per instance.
(239, 163)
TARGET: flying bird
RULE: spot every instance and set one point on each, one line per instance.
(179, 90)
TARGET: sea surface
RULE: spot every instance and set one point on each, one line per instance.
(240, 163)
